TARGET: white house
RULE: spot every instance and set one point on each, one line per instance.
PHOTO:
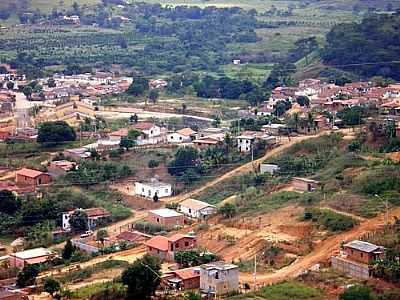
(181, 136)
(268, 168)
(95, 216)
(219, 278)
(149, 129)
(149, 189)
(197, 209)
(245, 142)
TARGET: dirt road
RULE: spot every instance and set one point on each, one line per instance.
(248, 167)
(321, 253)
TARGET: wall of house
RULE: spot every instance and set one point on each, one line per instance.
(163, 255)
(244, 145)
(225, 282)
(168, 222)
(16, 262)
(191, 283)
(41, 179)
(351, 268)
(301, 185)
(177, 138)
(185, 243)
(149, 191)
(358, 256)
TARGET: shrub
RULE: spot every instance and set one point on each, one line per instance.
(329, 219)
(153, 163)
(289, 291)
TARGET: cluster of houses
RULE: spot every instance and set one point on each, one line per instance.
(332, 98)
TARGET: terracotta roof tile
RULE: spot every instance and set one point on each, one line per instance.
(29, 173)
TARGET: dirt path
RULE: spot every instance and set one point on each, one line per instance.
(358, 218)
(321, 253)
(248, 167)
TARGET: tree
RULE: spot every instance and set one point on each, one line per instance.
(139, 86)
(192, 296)
(27, 91)
(79, 221)
(101, 235)
(228, 210)
(27, 276)
(126, 143)
(142, 277)
(216, 122)
(9, 204)
(51, 286)
(51, 83)
(296, 120)
(185, 158)
(68, 250)
(10, 85)
(134, 118)
(310, 120)
(303, 101)
(133, 134)
(184, 108)
(153, 95)
(155, 198)
(357, 292)
(55, 132)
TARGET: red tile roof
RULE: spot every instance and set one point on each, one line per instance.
(29, 173)
(96, 212)
(158, 242)
(143, 126)
(187, 273)
(133, 236)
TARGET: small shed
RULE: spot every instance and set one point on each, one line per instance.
(165, 217)
(304, 184)
(268, 168)
(197, 209)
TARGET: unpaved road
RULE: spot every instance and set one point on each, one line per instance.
(248, 167)
(321, 253)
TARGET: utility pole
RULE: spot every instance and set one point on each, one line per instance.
(255, 272)
(386, 202)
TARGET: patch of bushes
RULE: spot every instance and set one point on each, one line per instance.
(289, 291)
(330, 220)
(149, 228)
(378, 180)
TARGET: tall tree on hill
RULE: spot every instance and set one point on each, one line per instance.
(142, 277)
(52, 133)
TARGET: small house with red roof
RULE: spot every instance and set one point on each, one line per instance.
(181, 136)
(30, 257)
(149, 129)
(182, 279)
(30, 177)
(165, 247)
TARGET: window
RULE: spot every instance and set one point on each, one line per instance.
(190, 210)
(166, 190)
(361, 254)
(177, 245)
(158, 220)
(180, 138)
(186, 244)
(216, 275)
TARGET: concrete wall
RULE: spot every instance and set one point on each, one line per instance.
(227, 281)
(353, 269)
(167, 222)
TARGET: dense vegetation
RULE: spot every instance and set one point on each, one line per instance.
(369, 48)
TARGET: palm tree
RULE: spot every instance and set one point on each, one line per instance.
(296, 120)
(310, 120)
